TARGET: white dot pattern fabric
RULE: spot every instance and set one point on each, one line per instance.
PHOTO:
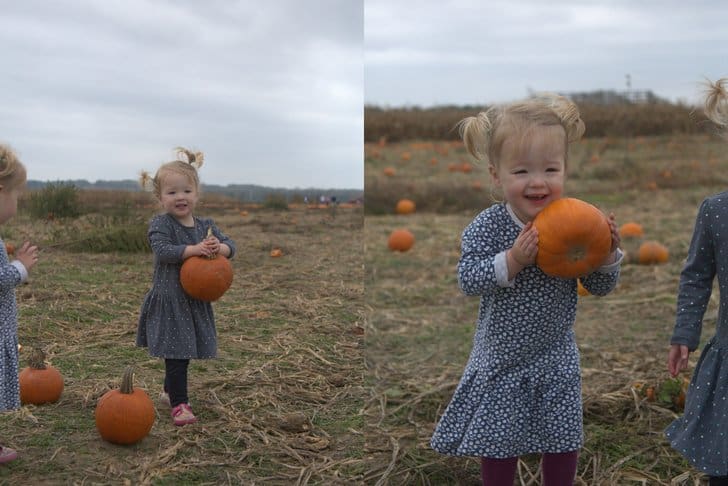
(10, 278)
(520, 392)
(172, 324)
(701, 433)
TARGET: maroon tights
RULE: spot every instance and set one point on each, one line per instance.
(558, 469)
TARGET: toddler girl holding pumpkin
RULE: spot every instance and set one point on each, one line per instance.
(12, 274)
(520, 392)
(701, 433)
(173, 325)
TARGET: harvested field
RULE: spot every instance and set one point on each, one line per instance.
(281, 403)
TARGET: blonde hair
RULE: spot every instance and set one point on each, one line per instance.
(12, 171)
(186, 166)
(716, 102)
(485, 133)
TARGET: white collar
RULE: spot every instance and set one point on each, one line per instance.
(515, 218)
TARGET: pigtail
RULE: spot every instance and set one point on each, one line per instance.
(476, 132)
(195, 159)
(568, 113)
(716, 102)
(146, 181)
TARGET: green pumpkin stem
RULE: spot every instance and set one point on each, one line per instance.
(37, 359)
(127, 381)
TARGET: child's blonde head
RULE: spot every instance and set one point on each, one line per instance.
(716, 102)
(485, 133)
(12, 171)
(186, 164)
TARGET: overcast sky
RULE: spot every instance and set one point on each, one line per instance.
(434, 52)
(271, 92)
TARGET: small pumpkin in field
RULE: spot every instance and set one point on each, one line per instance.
(206, 278)
(389, 171)
(574, 238)
(125, 415)
(40, 382)
(652, 252)
(401, 240)
(405, 206)
(631, 230)
(276, 252)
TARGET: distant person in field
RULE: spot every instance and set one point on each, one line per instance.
(12, 274)
(173, 325)
(701, 433)
(520, 392)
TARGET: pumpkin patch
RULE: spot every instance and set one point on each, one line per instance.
(573, 238)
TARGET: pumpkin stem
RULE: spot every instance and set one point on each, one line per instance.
(37, 359)
(127, 381)
(209, 234)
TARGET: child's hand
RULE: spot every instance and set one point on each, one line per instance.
(27, 254)
(212, 244)
(201, 249)
(525, 247)
(677, 359)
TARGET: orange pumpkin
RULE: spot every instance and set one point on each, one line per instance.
(405, 206)
(9, 248)
(389, 171)
(652, 252)
(401, 240)
(40, 382)
(125, 415)
(206, 278)
(276, 252)
(573, 238)
(631, 230)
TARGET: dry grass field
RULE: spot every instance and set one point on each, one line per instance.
(419, 326)
(280, 405)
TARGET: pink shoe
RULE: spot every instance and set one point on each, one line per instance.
(182, 415)
(7, 454)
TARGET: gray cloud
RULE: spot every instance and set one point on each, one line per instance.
(272, 92)
(467, 52)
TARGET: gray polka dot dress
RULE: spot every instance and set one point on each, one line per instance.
(701, 433)
(520, 392)
(11, 275)
(172, 324)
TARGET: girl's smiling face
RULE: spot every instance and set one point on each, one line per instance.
(178, 196)
(531, 170)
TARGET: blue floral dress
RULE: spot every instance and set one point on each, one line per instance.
(172, 324)
(12, 274)
(520, 392)
(701, 433)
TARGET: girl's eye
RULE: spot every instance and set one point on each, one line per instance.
(520, 171)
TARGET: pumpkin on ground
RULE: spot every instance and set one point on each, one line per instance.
(389, 171)
(206, 278)
(631, 230)
(405, 206)
(574, 238)
(652, 252)
(40, 382)
(401, 240)
(125, 415)
(276, 252)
